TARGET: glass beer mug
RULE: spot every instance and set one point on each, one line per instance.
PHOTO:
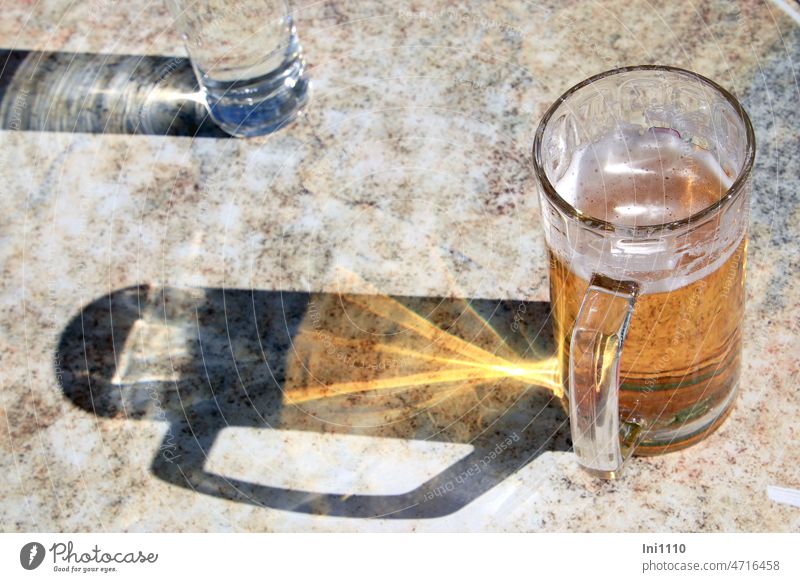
(643, 177)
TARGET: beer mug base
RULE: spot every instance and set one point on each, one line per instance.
(660, 442)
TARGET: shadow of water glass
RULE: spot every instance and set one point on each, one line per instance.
(102, 94)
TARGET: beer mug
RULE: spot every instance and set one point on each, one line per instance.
(644, 180)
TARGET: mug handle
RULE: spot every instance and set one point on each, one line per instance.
(594, 355)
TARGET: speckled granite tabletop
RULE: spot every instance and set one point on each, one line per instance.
(257, 335)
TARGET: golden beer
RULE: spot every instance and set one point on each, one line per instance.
(679, 368)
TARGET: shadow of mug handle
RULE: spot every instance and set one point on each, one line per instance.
(184, 451)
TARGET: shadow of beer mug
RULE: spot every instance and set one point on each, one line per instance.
(326, 404)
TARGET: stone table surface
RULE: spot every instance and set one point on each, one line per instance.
(393, 225)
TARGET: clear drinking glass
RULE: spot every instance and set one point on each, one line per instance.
(247, 59)
(643, 177)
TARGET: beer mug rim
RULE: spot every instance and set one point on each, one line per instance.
(569, 210)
